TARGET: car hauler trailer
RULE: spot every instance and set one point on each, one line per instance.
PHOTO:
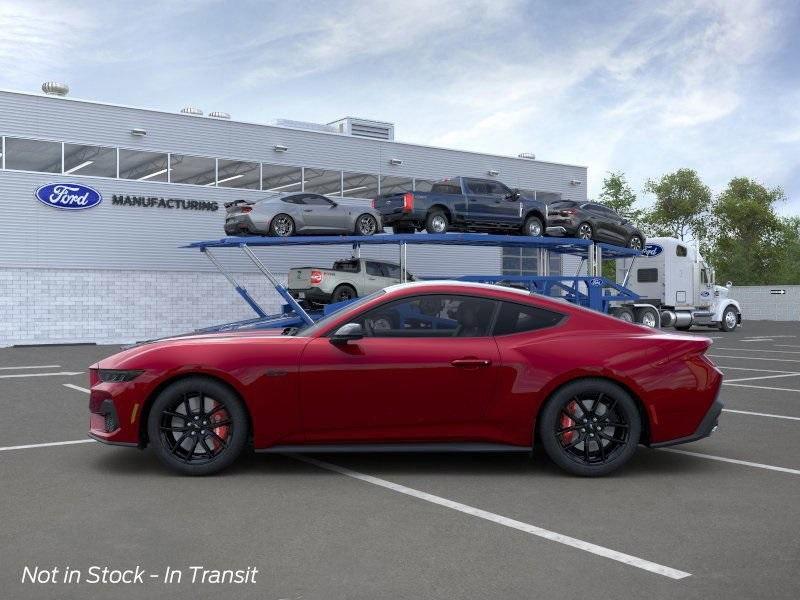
(672, 277)
(591, 290)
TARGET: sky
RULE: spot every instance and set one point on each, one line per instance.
(639, 87)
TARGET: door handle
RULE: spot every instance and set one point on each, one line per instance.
(307, 210)
(471, 363)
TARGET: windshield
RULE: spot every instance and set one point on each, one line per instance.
(325, 321)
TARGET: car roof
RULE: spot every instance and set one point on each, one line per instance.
(466, 285)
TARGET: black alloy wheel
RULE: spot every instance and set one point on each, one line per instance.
(635, 242)
(590, 427)
(343, 292)
(366, 225)
(585, 231)
(197, 426)
(281, 226)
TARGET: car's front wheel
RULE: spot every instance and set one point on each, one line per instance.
(585, 231)
(197, 426)
(635, 242)
(590, 427)
(366, 225)
(730, 319)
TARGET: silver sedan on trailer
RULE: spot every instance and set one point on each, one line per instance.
(301, 213)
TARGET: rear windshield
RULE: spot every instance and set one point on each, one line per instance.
(563, 204)
(446, 187)
(350, 266)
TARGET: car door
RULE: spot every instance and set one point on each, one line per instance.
(323, 215)
(425, 371)
(603, 231)
(374, 277)
(505, 208)
(480, 201)
(617, 225)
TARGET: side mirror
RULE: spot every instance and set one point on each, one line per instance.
(334, 204)
(729, 284)
(346, 333)
(513, 195)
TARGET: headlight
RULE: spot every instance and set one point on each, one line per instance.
(117, 375)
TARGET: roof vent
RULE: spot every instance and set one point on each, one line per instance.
(308, 126)
(527, 155)
(191, 110)
(376, 130)
(219, 115)
(53, 88)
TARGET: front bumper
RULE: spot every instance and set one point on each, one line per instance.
(707, 426)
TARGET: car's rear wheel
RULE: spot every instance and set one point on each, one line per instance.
(436, 222)
(635, 242)
(533, 227)
(281, 226)
(590, 427)
(344, 292)
(585, 231)
(366, 225)
(197, 426)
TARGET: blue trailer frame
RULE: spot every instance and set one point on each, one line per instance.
(592, 290)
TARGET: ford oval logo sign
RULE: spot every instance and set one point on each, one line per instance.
(652, 250)
(595, 282)
(68, 196)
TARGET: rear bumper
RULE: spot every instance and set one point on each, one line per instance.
(707, 426)
(312, 294)
(242, 225)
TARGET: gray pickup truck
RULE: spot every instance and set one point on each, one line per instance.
(347, 279)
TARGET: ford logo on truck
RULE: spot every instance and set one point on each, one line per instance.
(652, 250)
(68, 196)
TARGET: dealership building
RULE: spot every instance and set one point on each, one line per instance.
(116, 272)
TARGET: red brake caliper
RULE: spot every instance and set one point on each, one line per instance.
(221, 431)
(569, 436)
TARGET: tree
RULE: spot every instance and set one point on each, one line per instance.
(618, 195)
(681, 208)
(750, 240)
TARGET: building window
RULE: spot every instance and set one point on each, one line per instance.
(396, 185)
(278, 178)
(97, 161)
(196, 170)
(525, 261)
(33, 155)
(238, 174)
(321, 181)
(143, 166)
(359, 185)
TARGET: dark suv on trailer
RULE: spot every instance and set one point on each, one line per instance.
(464, 204)
(593, 221)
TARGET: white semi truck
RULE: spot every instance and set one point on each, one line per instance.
(672, 277)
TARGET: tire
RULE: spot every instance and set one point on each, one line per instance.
(585, 231)
(683, 327)
(635, 242)
(730, 319)
(194, 450)
(623, 314)
(366, 225)
(583, 447)
(403, 229)
(647, 317)
(344, 292)
(533, 227)
(282, 225)
(436, 222)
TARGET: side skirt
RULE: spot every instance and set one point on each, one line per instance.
(403, 447)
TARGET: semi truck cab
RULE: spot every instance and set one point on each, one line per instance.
(672, 276)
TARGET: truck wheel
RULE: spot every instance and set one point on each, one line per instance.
(635, 242)
(622, 313)
(403, 229)
(533, 227)
(683, 327)
(366, 224)
(281, 226)
(729, 319)
(647, 317)
(436, 222)
(585, 231)
(344, 292)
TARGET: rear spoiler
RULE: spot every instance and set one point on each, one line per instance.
(237, 203)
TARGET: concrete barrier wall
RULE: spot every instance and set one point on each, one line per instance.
(760, 303)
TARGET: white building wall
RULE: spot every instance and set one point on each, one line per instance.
(758, 303)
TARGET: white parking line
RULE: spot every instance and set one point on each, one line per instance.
(72, 386)
(786, 346)
(758, 414)
(31, 367)
(752, 369)
(756, 340)
(495, 518)
(754, 358)
(734, 461)
(760, 387)
(762, 377)
(40, 374)
(759, 350)
(47, 445)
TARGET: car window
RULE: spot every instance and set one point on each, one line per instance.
(392, 271)
(647, 275)
(374, 269)
(299, 199)
(516, 318)
(703, 276)
(315, 200)
(477, 187)
(498, 189)
(430, 315)
(349, 266)
(446, 187)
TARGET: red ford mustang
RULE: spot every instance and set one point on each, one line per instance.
(424, 366)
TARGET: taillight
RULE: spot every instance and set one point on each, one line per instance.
(316, 277)
(568, 212)
(374, 200)
(246, 209)
(408, 202)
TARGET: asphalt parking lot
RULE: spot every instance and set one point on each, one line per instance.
(713, 519)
